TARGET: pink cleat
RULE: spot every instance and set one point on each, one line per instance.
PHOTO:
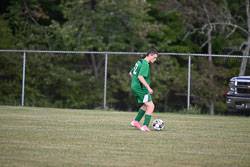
(136, 124)
(132, 123)
(145, 128)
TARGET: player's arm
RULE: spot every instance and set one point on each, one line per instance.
(143, 81)
(130, 74)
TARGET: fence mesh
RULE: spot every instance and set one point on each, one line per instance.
(64, 80)
(210, 83)
(76, 80)
(11, 66)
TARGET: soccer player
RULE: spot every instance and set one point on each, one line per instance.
(140, 86)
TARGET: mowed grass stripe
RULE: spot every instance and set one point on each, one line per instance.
(32, 136)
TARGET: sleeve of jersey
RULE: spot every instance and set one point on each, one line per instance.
(144, 70)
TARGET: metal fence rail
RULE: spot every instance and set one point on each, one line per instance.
(122, 53)
(107, 54)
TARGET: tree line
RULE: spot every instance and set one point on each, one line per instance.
(189, 26)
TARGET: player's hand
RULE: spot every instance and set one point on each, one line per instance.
(150, 91)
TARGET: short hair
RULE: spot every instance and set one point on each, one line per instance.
(152, 51)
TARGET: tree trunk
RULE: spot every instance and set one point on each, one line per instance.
(96, 64)
(165, 105)
(243, 65)
(247, 48)
(130, 107)
(211, 73)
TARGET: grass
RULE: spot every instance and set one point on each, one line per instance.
(63, 137)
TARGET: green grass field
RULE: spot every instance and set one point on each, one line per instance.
(63, 137)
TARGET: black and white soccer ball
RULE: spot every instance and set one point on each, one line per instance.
(158, 124)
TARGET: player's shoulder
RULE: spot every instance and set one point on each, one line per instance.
(139, 62)
(144, 62)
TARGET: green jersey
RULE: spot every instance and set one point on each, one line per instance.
(141, 68)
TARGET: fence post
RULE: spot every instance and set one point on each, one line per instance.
(105, 81)
(189, 76)
(23, 84)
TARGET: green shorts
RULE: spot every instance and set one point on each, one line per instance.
(142, 96)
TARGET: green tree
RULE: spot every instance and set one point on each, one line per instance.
(11, 67)
(108, 26)
(170, 72)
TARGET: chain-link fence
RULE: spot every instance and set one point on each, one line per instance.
(90, 80)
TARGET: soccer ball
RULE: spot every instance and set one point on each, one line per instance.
(158, 124)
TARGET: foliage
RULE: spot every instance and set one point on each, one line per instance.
(11, 78)
(76, 81)
(105, 25)
(7, 40)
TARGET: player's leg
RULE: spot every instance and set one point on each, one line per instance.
(141, 113)
(149, 107)
(138, 117)
(142, 97)
(149, 110)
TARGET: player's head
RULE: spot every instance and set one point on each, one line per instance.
(152, 55)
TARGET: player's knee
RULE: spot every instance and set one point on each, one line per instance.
(150, 105)
(144, 107)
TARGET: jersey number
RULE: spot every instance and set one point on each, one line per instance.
(135, 68)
